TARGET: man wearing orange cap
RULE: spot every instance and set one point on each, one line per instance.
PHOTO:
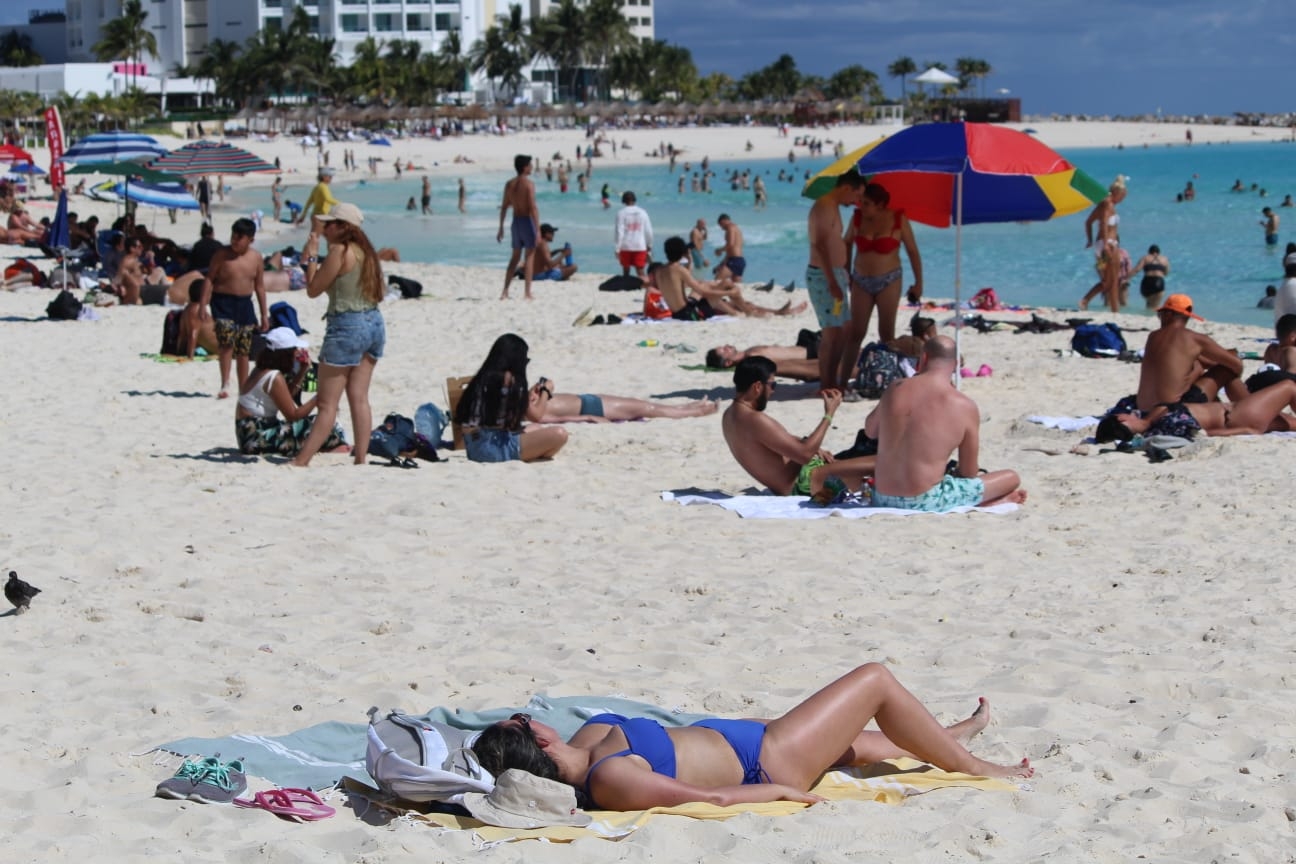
(1180, 365)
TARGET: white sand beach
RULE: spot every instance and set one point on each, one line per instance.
(1130, 624)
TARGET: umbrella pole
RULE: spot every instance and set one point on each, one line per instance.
(958, 280)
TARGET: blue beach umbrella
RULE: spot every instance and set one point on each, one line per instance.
(172, 196)
(60, 235)
(114, 147)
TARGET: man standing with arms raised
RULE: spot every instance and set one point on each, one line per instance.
(826, 276)
(519, 194)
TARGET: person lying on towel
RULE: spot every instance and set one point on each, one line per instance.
(634, 763)
(917, 424)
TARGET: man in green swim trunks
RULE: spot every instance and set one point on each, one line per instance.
(786, 464)
(918, 423)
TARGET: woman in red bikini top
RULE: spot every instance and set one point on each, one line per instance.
(875, 235)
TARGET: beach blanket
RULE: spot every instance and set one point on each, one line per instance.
(766, 505)
(1066, 424)
(702, 367)
(319, 756)
(175, 358)
(640, 318)
(886, 783)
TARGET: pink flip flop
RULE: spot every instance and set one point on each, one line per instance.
(985, 371)
(301, 804)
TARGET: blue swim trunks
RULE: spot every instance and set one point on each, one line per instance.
(524, 232)
(737, 265)
(493, 445)
(591, 405)
(1271, 239)
(949, 493)
(824, 304)
(554, 275)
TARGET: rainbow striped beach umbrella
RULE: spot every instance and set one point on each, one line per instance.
(211, 157)
(967, 173)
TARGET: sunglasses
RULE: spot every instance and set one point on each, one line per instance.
(770, 385)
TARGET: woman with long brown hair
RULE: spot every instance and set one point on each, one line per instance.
(354, 335)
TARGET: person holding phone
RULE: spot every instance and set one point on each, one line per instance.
(497, 403)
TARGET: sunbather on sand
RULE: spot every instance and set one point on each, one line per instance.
(918, 423)
(790, 361)
(691, 300)
(635, 763)
(768, 452)
(601, 408)
(1180, 365)
(1253, 414)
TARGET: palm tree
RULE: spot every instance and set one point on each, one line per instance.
(368, 72)
(16, 49)
(852, 81)
(902, 68)
(126, 38)
(981, 69)
(607, 32)
(452, 55)
(217, 65)
(562, 36)
(503, 50)
(966, 69)
(489, 55)
(516, 34)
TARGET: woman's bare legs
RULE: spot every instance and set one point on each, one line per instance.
(542, 442)
(887, 302)
(332, 384)
(1261, 411)
(821, 731)
(357, 391)
(871, 746)
(625, 408)
(861, 309)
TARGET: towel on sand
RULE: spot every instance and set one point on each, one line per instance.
(885, 783)
(318, 756)
(764, 505)
(175, 358)
(1066, 424)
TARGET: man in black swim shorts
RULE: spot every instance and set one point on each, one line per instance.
(236, 274)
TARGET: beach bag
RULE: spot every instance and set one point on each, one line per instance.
(64, 307)
(418, 760)
(986, 300)
(409, 289)
(1098, 340)
(655, 305)
(21, 266)
(879, 367)
(430, 423)
(282, 314)
(394, 439)
(171, 333)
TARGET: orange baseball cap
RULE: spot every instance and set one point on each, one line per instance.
(1180, 303)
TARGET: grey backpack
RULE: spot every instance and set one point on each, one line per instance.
(420, 760)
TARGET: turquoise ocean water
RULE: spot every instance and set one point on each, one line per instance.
(1215, 245)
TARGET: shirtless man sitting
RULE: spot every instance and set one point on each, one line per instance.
(1279, 358)
(918, 423)
(548, 265)
(197, 329)
(768, 452)
(133, 283)
(1180, 365)
(22, 229)
(691, 300)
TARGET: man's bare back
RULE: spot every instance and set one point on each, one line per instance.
(519, 194)
(1177, 359)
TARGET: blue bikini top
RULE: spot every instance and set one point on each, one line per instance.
(645, 738)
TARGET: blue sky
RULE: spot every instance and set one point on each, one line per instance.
(1058, 56)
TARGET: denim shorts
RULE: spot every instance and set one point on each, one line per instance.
(493, 445)
(351, 335)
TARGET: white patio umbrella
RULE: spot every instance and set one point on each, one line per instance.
(937, 76)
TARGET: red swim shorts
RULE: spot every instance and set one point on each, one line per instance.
(638, 260)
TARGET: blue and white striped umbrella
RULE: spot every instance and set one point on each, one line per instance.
(114, 147)
(173, 196)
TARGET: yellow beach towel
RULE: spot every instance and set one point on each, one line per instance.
(885, 782)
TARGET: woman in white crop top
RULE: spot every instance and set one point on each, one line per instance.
(267, 393)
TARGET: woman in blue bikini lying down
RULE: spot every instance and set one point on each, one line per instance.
(633, 764)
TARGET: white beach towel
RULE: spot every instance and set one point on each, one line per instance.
(765, 505)
(1066, 424)
(640, 318)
